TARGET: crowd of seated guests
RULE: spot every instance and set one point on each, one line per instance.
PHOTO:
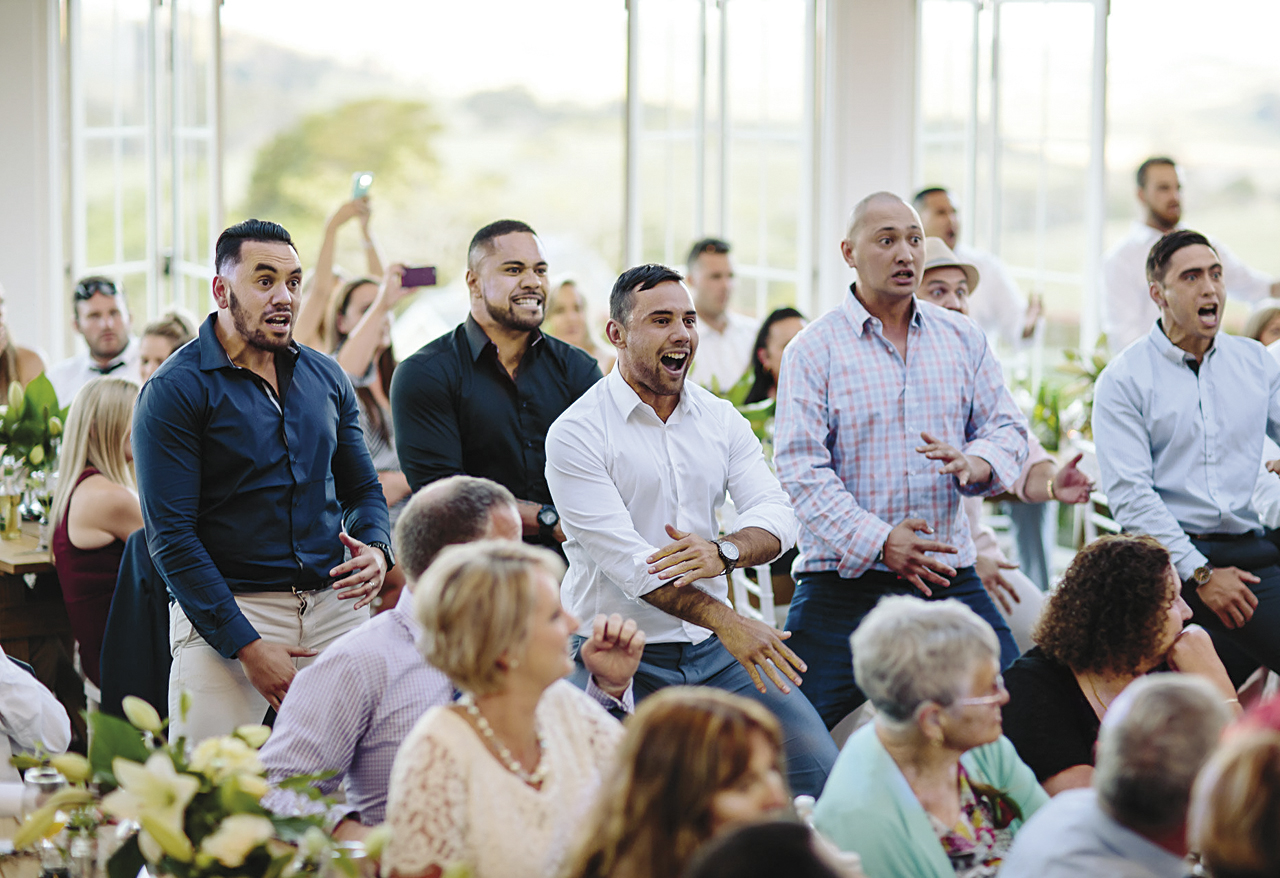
(525, 773)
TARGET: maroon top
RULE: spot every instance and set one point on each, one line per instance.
(88, 579)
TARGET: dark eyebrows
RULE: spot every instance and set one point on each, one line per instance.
(1197, 268)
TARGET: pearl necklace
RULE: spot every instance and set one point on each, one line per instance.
(532, 778)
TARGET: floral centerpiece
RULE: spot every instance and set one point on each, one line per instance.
(187, 814)
(31, 424)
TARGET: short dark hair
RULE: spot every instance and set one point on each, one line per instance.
(918, 201)
(1145, 166)
(1162, 251)
(227, 252)
(706, 245)
(446, 513)
(88, 287)
(495, 230)
(637, 280)
(758, 850)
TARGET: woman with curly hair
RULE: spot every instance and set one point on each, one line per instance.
(1117, 615)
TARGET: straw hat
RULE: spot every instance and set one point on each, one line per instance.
(938, 255)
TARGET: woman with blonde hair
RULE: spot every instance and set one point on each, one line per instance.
(1233, 822)
(695, 762)
(569, 319)
(498, 783)
(95, 508)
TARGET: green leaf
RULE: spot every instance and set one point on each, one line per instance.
(127, 861)
(40, 396)
(109, 737)
(292, 829)
(305, 783)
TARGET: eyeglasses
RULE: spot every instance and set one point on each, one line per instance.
(87, 289)
(999, 695)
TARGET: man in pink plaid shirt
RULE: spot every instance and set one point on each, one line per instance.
(889, 410)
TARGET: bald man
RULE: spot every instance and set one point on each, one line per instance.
(890, 410)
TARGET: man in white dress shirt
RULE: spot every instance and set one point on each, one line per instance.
(1179, 420)
(727, 338)
(638, 467)
(102, 319)
(1003, 311)
(1127, 308)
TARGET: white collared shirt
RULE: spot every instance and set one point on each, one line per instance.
(724, 357)
(618, 475)
(69, 375)
(1127, 309)
(1178, 451)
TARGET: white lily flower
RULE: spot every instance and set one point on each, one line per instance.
(156, 796)
(236, 836)
(142, 715)
(219, 758)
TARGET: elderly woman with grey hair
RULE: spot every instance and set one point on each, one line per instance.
(930, 789)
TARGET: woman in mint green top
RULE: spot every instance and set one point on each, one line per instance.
(930, 789)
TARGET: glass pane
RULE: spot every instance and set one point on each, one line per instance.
(1046, 64)
(195, 29)
(114, 58)
(134, 285)
(133, 198)
(945, 92)
(100, 201)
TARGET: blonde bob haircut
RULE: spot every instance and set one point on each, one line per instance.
(475, 602)
(683, 746)
(97, 430)
(1234, 818)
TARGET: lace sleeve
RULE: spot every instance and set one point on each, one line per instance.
(426, 809)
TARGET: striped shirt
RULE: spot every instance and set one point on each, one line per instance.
(850, 415)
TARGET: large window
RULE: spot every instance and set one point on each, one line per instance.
(720, 139)
(144, 191)
(1012, 120)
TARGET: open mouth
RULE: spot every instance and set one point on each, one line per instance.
(675, 361)
(906, 275)
(527, 301)
(280, 321)
(1209, 314)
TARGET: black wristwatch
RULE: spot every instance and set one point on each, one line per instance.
(729, 554)
(386, 551)
(548, 518)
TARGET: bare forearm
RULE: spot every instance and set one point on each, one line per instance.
(691, 604)
(1037, 490)
(755, 546)
(362, 344)
(372, 260)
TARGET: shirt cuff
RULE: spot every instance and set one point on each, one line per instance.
(626, 704)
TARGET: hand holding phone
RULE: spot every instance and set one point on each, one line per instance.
(360, 183)
(421, 276)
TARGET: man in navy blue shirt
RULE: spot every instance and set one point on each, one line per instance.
(254, 477)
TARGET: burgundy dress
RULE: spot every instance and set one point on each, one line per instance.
(88, 580)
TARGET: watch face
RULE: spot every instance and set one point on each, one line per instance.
(548, 517)
(728, 550)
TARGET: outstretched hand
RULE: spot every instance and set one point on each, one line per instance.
(1070, 485)
(968, 469)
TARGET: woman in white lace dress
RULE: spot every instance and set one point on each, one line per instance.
(501, 781)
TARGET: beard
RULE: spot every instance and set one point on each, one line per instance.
(256, 336)
(507, 318)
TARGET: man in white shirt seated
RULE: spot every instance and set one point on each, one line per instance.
(101, 317)
(1179, 419)
(638, 467)
(1003, 311)
(349, 711)
(1133, 822)
(1127, 308)
(30, 716)
(726, 338)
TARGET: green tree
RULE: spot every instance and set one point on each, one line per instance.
(304, 172)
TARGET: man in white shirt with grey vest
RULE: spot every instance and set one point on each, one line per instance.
(1179, 419)
(637, 468)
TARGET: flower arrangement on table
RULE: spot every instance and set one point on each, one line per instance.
(187, 815)
(31, 424)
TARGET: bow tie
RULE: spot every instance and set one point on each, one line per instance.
(107, 370)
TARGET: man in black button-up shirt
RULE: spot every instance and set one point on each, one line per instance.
(250, 464)
(479, 400)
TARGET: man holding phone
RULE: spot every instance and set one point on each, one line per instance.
(479, 400)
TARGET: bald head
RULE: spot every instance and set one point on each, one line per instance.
(876, 199)
(459, 509)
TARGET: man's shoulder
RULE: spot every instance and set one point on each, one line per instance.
(377, 646)
(572, 355)
(438, 353)
(936, 319)
(66, 366)
(585, 411)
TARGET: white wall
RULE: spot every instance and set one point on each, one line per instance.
(868, 108)
(30, 234)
